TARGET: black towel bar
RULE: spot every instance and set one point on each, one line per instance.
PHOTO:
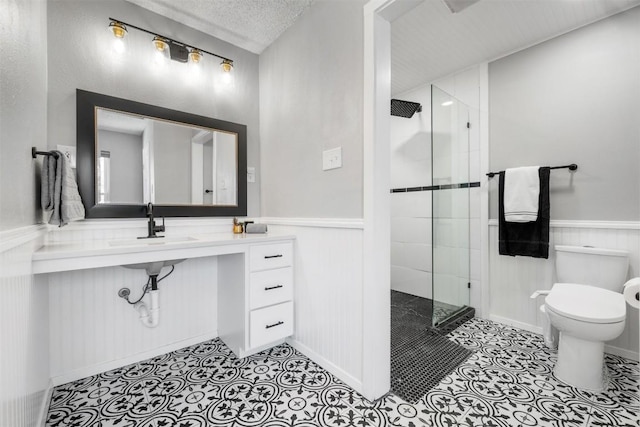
(35, 152)
(571, 167)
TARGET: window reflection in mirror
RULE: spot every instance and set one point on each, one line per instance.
(143, 159)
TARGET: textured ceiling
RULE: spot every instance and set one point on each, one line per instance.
(250, 24)
(431, 42)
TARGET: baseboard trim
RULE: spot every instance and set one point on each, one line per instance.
(610, 349)
(617, 351)
(341, 374)
(88, 371)
(356, 223)
(46, 403)
(520, 325)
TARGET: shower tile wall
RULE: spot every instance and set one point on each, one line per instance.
(411, 213)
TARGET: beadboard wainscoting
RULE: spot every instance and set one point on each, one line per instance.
(93, 330)
(24, 366)
(514, 279)
(328, 293)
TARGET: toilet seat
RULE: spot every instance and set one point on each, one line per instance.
(586, 303)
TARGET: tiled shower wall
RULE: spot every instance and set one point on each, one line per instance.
(411, 211)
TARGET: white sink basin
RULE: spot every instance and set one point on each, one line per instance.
(152, 241)
(154, 268)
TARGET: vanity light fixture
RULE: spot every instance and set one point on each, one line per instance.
(178, 51)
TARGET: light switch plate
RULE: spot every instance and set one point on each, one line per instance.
(69, 152)
(332, 159)
(251, 174)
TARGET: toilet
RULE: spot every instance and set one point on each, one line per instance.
(587, 308)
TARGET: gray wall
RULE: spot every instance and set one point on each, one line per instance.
(574, 99)
(311, 84)
(81, 56)
(126, 165)
(23, 109)
(172, 163)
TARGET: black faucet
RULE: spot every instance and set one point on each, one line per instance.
(151, 226)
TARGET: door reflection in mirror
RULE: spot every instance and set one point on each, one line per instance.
(163, 162)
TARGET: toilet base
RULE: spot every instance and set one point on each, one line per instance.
(580, 362)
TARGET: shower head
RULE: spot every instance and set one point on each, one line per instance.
(404, 108)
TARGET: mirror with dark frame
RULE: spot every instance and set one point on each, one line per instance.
(130, 154)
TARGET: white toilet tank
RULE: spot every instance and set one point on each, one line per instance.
(586, 265)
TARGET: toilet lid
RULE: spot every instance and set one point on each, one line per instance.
(586, 303)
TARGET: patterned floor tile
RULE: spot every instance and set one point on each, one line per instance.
(507, 381)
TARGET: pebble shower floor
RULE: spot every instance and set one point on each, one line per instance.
(508, 381)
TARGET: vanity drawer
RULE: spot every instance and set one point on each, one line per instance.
(270, 287)
(265, 257)
(270, 324)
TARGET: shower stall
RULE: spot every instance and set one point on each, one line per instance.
(430, 253)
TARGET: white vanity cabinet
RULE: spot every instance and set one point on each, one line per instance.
(259, 314)
(254, 278)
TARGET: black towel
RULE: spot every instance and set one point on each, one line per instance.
(526, 238)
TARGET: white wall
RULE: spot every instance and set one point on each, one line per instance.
(81, 56)
(574, 99)
(328, 296)
(310, 101)
(23, 109)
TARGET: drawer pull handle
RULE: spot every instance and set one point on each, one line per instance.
(274, 325)
(273, 256)
(268, 288)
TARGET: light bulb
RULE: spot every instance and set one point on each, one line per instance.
(226, 65)
(159, 43)
(118, 30)
(195, 55)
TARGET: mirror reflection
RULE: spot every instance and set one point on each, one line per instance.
(141, 159)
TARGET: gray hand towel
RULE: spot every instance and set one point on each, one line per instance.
(60, 194)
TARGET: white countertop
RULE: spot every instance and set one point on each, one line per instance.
(79, 255)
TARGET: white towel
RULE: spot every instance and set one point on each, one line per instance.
(521, 194)
(60, 191)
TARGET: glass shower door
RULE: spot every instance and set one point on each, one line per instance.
(450, 205)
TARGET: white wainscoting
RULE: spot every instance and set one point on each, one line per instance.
(93, 330)
(328, 294)
(514, 279)
(24, 368)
